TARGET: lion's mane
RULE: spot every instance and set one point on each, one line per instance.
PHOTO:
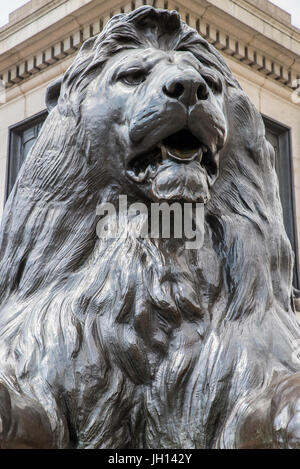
(134, 343)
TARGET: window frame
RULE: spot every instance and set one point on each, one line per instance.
(286, 174)
(14, 144)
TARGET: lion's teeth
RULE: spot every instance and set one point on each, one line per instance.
(137, 178)
(163, 151)
(150, 171)
(200, 154)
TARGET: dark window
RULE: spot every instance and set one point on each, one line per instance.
(279, 136)
(21, 138)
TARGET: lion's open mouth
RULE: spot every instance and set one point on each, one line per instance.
(181, 147)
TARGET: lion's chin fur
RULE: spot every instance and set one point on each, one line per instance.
(180, 181)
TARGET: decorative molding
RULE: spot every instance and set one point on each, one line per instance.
(222, 40)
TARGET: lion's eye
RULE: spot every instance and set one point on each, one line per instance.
(214, 83)
(133, 78)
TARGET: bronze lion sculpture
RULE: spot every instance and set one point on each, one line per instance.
(138, 342)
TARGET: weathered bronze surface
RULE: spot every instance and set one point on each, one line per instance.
(140, 343)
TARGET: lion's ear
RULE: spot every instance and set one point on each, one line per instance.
(52, 94)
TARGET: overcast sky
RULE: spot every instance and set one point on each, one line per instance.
(292, 6)
(7, 6)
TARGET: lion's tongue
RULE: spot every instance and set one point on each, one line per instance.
(169, 152)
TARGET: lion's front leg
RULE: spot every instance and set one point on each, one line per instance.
(5, 414)
(273, 419)
(23, 423)
(285, 413)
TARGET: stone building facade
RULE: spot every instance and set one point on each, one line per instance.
(256, 38)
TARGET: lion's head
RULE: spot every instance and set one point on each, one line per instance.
(154, 119)
(148, 109)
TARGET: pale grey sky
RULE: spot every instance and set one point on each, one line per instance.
(292, 6)
(7, 6)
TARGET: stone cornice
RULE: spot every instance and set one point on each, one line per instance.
(55, 31)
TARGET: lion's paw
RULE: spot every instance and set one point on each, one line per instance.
(5, 413)
(285, 413)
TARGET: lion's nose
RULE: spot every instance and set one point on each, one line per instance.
(187, 89)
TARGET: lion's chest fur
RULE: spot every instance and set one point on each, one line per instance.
(135, 351)
(143, 325)
(184, 404)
